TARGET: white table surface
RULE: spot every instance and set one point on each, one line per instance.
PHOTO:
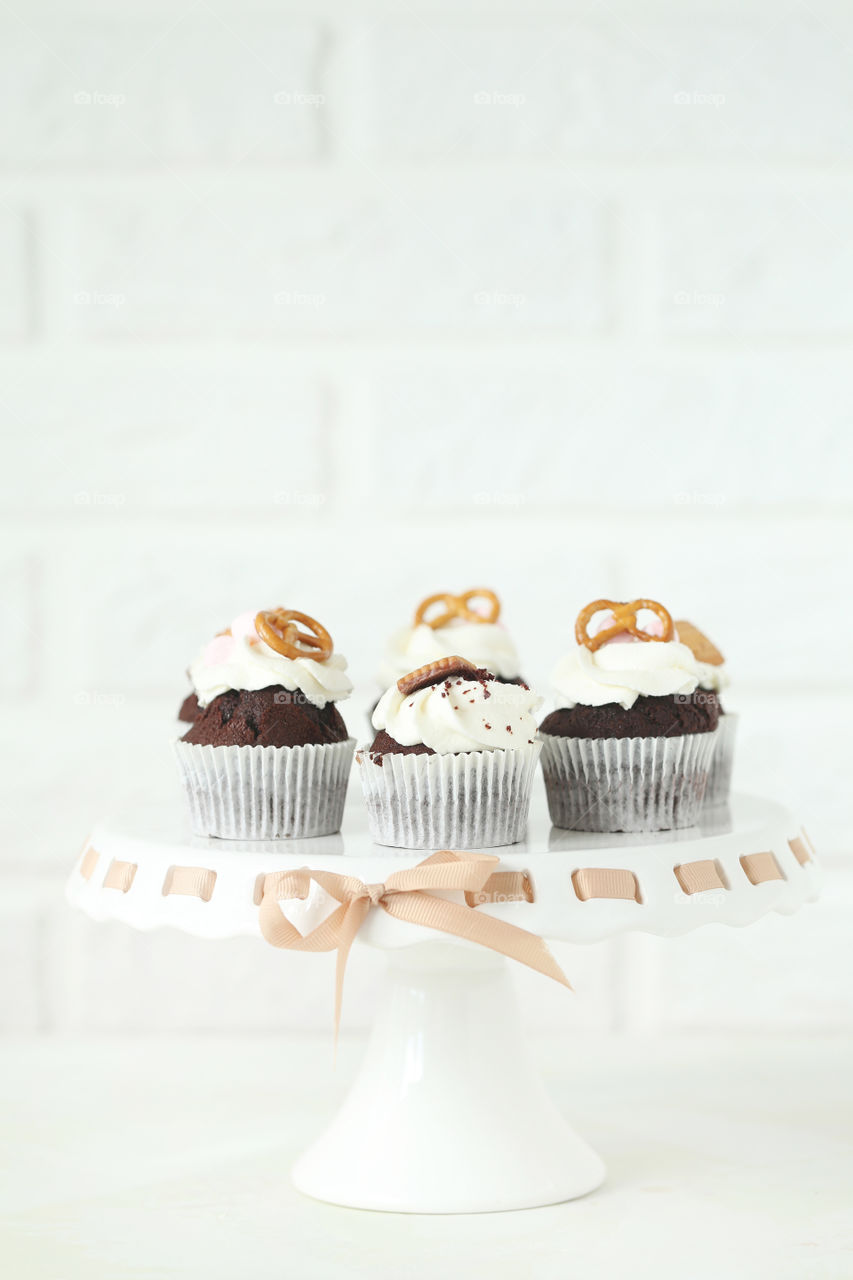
(168, 1157)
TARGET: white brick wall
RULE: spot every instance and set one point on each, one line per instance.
(342, 308)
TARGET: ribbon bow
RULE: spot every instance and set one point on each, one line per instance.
(406, 895)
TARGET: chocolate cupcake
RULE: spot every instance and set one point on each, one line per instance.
(453, 759)
(630, 745)
(445, 625)
(189, 709)
(713, 678)
(267, 754)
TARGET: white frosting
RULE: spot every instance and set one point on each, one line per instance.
(620, 672)
(485, 643)
(712, 676)
(464, 715)
(243, 661)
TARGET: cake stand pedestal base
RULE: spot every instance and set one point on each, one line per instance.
(447, 1114)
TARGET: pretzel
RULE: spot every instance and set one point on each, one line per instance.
(698, 644)
(458, 607)
(624, 621)
(435, 673)
(278, 629)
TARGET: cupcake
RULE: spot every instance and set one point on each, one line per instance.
(713, 678)
(445, 625)
(453, 759)
(189, 709)
(630, 745)
(267, 754)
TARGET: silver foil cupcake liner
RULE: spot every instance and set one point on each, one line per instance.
(470, 800)
(626, 784)
(265, 793)
(722, 761)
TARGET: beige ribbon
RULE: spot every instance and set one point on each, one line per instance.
(406, 895)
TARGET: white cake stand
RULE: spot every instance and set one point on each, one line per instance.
(447, 1114)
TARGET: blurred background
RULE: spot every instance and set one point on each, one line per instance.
(331, 310)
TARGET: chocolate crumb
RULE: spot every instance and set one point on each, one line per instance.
(383, 744)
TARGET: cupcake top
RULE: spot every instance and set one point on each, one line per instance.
(623, 652)
(710, 663)
(452, 706)
(277, 647)
(445, 625)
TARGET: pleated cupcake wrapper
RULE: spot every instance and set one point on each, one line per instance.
(626, 784)
(265, 793)
(473, 800)
(722, 761)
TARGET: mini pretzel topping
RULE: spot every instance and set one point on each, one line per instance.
(278, 628)
(624, 622)
(435, 673)
(699, 644)
(457, 607)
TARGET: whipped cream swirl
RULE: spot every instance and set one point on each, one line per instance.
(244, 661)
(460, 715)
(487, 644)
(621, 672)
(712, 675)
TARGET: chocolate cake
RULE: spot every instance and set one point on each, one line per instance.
(189, 709)
(271, 717)
(384, 742)
(668, 716)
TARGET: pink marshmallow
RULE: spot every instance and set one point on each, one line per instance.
(219, 650)
(648, 622)
(243, 628)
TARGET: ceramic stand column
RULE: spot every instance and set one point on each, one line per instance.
(447, 1114)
